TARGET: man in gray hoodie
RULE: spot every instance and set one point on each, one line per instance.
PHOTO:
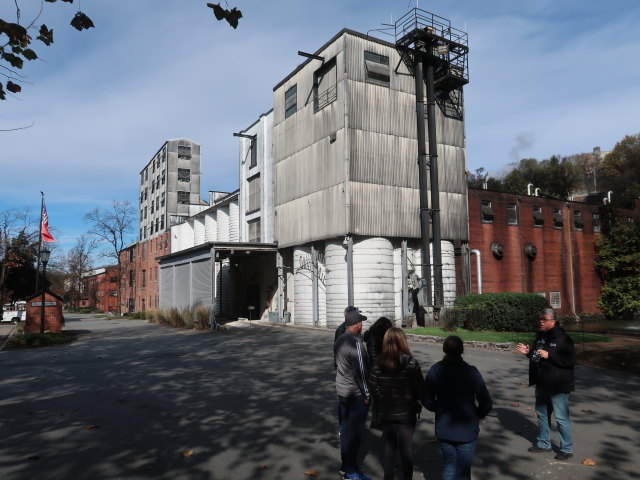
(353, 392)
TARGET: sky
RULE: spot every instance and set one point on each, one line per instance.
(547, 77)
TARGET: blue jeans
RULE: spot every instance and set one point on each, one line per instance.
(354, 413)
(557, 404)
(458, 458)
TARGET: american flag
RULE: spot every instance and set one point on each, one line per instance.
(46, 236)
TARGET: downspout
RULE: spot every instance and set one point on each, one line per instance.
(405, 276)
(347, 169)
(478, 267)
(314, 287)
(571, 274)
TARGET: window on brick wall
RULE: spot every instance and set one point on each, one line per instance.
(538, 218)
(144, 278)
(578, 223)
(554, 300)
(486, 211)
(558, 221)
(596, 222)
(512, 214)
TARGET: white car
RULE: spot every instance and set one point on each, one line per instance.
(11, 315)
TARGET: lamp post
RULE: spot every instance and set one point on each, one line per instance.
(44, 259)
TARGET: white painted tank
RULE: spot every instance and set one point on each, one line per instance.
(373, 278)
(223, 224)
(234, 222)
(198, 231)
(335, 256)
(397, 284)
(210, 227)
(303, 314)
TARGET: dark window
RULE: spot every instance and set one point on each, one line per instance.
(132, 278)
(578, 223)
(146, 174)
(141, 214)
(184, 175)
(253, 196)
(157, 203)
(113, 293)
(146, 191)
(162, 201)
(141, 178)
(184, 151)
(596, 222)
(183, 198)
(162, 223)
(254, 152)
(152, 207)
(144, 231)
(558, 222)
(512, 214)
(555, 300)
(157, 222)
(325, 88)
(376, 69)
(538, 218)
(144, 278)
(145, 212)
(291, 101)
(163, 177)
(487, 211)
(254, 230)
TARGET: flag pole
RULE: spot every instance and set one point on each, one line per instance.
(39, 241)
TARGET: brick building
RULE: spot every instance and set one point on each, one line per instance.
(100, 289)
(537, 245)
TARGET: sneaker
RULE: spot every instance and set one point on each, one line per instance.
(537, 449)
(356, 476)
(563, 456)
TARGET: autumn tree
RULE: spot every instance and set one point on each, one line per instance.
(17, 39)
(621, 170)
(111, 228)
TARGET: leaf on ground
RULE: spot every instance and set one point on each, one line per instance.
(91, 427)
(588, 462)
(588, 411)
(312, 473)
(188, 453)
(528, 408)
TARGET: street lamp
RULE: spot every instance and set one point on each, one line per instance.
(44, 259)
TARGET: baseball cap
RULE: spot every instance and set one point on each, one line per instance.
(353, 317)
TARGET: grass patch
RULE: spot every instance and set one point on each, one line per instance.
(42, 339)
(503, 337)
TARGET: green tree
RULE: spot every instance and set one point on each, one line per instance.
(16, 40)
(618, 264)
(621, 170)
(481, 177)
(554, 177)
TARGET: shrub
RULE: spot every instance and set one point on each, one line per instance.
(43, 339)
(175, 318)
(500, 312)
(201, 317)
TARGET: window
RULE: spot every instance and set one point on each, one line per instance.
(162, 201)
(487, 211)
(542, 294)
(184, 150)
(554, 300)
(113, 293)
(538, 218)
(142, 179)
(558, 222)
(141, 214)
(596, 222)
(144, 231)
(253, 196)
(512, 214)
(254, 230)
(153, 187)
(325, 88)
(157, 203)
(146, 175)
(578, 223)
(151, 229)
(157, 222)
(140, 233)
(146, 191)
(291, 101)
(158, 182)
(254, 152)
(132, 278)
(132, 255)
(144, 278)
(376, 69)
(183, 198)
(162, 223)
(145, 212)
(152, 207)
(163, 177)
(184, 175)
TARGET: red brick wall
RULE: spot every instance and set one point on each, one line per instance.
(564, 256)
(52, 314)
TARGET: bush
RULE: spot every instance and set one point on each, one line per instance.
(500, 312)
(42, 339)
(201, 317)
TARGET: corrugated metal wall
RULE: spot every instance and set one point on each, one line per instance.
(376, 157)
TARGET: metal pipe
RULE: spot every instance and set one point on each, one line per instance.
(350, 295)
(438, 294)
(405, 283)
(280, 267)
(422, 178)
(314, 286)
(478, 267)
(529, 188)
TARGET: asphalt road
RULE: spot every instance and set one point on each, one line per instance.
(131, 400)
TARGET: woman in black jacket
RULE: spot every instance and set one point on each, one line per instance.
(373, 340)
(396, 384)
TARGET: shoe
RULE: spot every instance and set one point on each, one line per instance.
(537, 449)
(356, 476)
(563, 455)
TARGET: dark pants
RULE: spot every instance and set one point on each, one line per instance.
(398, 437)
(458, 458)
(354, 413)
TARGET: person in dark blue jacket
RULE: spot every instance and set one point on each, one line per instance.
(456, 392)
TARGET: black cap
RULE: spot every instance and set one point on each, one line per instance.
(353, 317)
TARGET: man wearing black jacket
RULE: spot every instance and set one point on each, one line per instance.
(551, 369)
